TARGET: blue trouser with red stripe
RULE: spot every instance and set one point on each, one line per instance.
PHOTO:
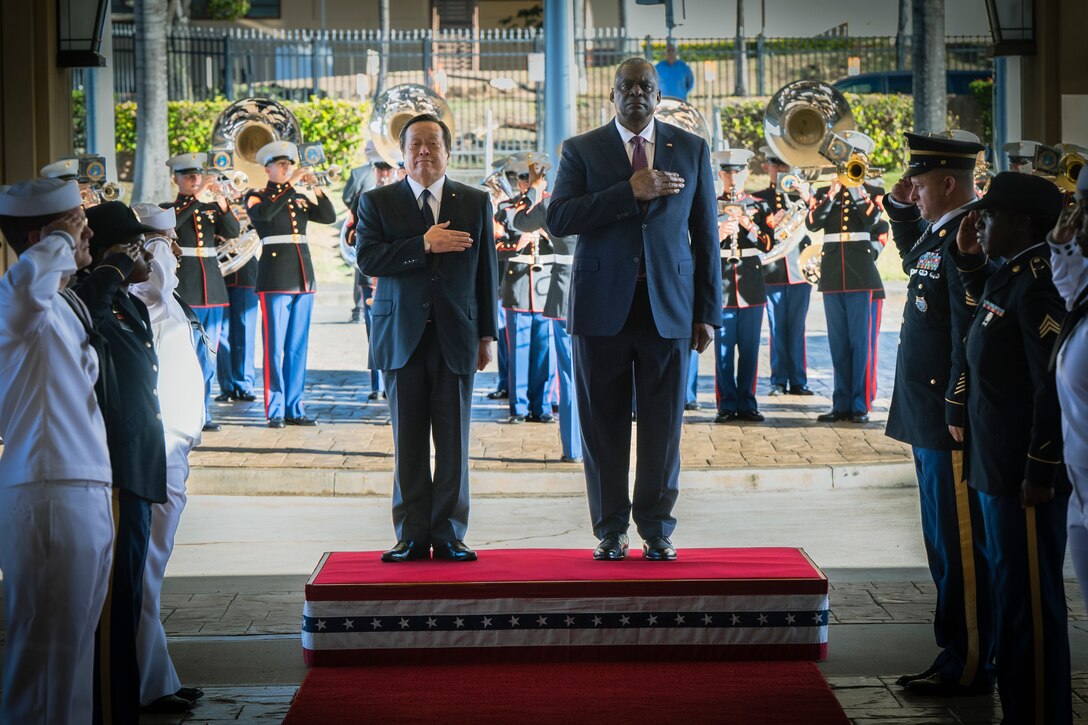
(211, 319)
(740, 328)
(848, 335)
(570, 430)
(787, 309)
(286, 341)
(527, 363)
(875, 310)
(235, 361)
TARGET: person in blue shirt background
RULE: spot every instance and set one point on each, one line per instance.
(674, 75)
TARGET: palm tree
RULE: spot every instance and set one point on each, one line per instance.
(152, 148)
(930, 64)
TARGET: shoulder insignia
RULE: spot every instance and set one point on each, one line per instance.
(1049, 325)
(1016, 269)
(971, 301)
(1039, 265)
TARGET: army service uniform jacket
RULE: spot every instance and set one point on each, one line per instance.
(847, 260)
(200, 283)
(1013, 416)
(929, 393)
(280, 217)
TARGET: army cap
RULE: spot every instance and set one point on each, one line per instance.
(732, 159)
(276, 151)
(39, 197)
(1035, 196)
(928, 153)
(113, 222)
(193, 163)
(67, 168)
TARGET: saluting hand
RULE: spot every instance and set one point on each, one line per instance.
(902, 191)
(1068, 224)
(649, 184)
(441, 239)
(967, 236)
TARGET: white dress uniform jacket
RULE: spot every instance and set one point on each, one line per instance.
(56, 522)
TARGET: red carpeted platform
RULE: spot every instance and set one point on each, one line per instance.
(519, 605)
(633, 692)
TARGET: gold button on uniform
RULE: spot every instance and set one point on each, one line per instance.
(933, 381)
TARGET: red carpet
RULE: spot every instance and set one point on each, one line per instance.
(632, 692)
(561, 605)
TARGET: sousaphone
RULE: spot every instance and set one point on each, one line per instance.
(396, 107)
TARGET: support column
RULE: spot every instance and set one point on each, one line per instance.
(101, 124)
(558, 66)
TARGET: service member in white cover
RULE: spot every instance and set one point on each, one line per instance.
(56, 522)
(181, 386)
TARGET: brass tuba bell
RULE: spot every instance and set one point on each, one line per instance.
(396, 107)
(1069, 166)
(682, 114)
(798, 119)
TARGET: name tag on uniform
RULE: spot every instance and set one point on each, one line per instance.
(992, 311)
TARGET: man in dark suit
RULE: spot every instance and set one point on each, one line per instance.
(645, 289)
(433, 326)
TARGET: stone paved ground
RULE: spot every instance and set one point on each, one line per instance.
(354, 433)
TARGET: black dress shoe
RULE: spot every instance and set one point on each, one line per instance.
(832, 417)
(904, 679)
(356, 317)
(500, 394)
(373, 395)
(540, 418)
(752, 416)
(455, 550)
(725, 417)
(407, 550)
(303, 420)
(192, 694)
(691, 406)
(936, 686)
(801, 390)
(516, 419)
(168, 704)
(276, 423)
(613, 547)
(859, 418)
(777, 390)
(568, 459)
(658, 548)
(244, 397)
(224, 398)
(212, 427)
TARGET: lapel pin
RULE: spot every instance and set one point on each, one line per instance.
(668, 145)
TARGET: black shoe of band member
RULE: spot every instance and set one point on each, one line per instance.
(407, 550)
(777, 390)
(801, 390)
(212, 427)
(516, 419)
(752, 416)
(244, 397)
(833, 417)
(568, 459)
(613, 547)
(724, 417)
(300, 421)
(192, 694)
(373, 395)
(693, 405)
(224, 398)
(545, 418)
(455, 550)
(500, 394)
(859, 418)
(276, 423)
(658, 548)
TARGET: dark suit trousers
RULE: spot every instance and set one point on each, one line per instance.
(425, 400)
(604, 369)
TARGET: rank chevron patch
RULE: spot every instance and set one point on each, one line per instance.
(1049, 325)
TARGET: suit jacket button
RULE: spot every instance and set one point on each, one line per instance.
(644, 226)
(636, 260)
(426, 305)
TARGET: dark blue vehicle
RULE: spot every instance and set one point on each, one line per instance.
(901, 81)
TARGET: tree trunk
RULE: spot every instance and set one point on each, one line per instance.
(383, 60)
(152, 148)
(901, 35)
(930, 67)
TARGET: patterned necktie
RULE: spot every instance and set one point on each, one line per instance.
(428, 214)
(638, 163)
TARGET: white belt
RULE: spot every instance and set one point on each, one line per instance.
(285, 239)
(848, 237)
(564, 259)
(728, 253)
(199, 252)
(539, 259)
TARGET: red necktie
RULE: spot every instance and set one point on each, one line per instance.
(638, 163)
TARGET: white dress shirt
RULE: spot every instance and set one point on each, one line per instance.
(646, 133)
(436, 194)
(49, 416)
(181, 381)
(1070, 274)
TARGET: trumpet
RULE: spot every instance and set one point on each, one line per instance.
(325, 177)
(237, 180)
(95, 194)
(1069, 167)
(731, 209)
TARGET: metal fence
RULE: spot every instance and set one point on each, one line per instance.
(489, 71)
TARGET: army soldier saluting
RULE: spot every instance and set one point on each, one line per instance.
(926, 208)
(200, 283)
(285, 278)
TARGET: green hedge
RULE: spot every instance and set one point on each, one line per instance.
(885, 118)
(340, 125)
(983, 91)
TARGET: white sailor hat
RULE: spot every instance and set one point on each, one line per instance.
(1021, 149)
(153, 215)
(67, 168)
(735, 158)
(39, 197)
(277, 150)
(188, 163)
(518, 163)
